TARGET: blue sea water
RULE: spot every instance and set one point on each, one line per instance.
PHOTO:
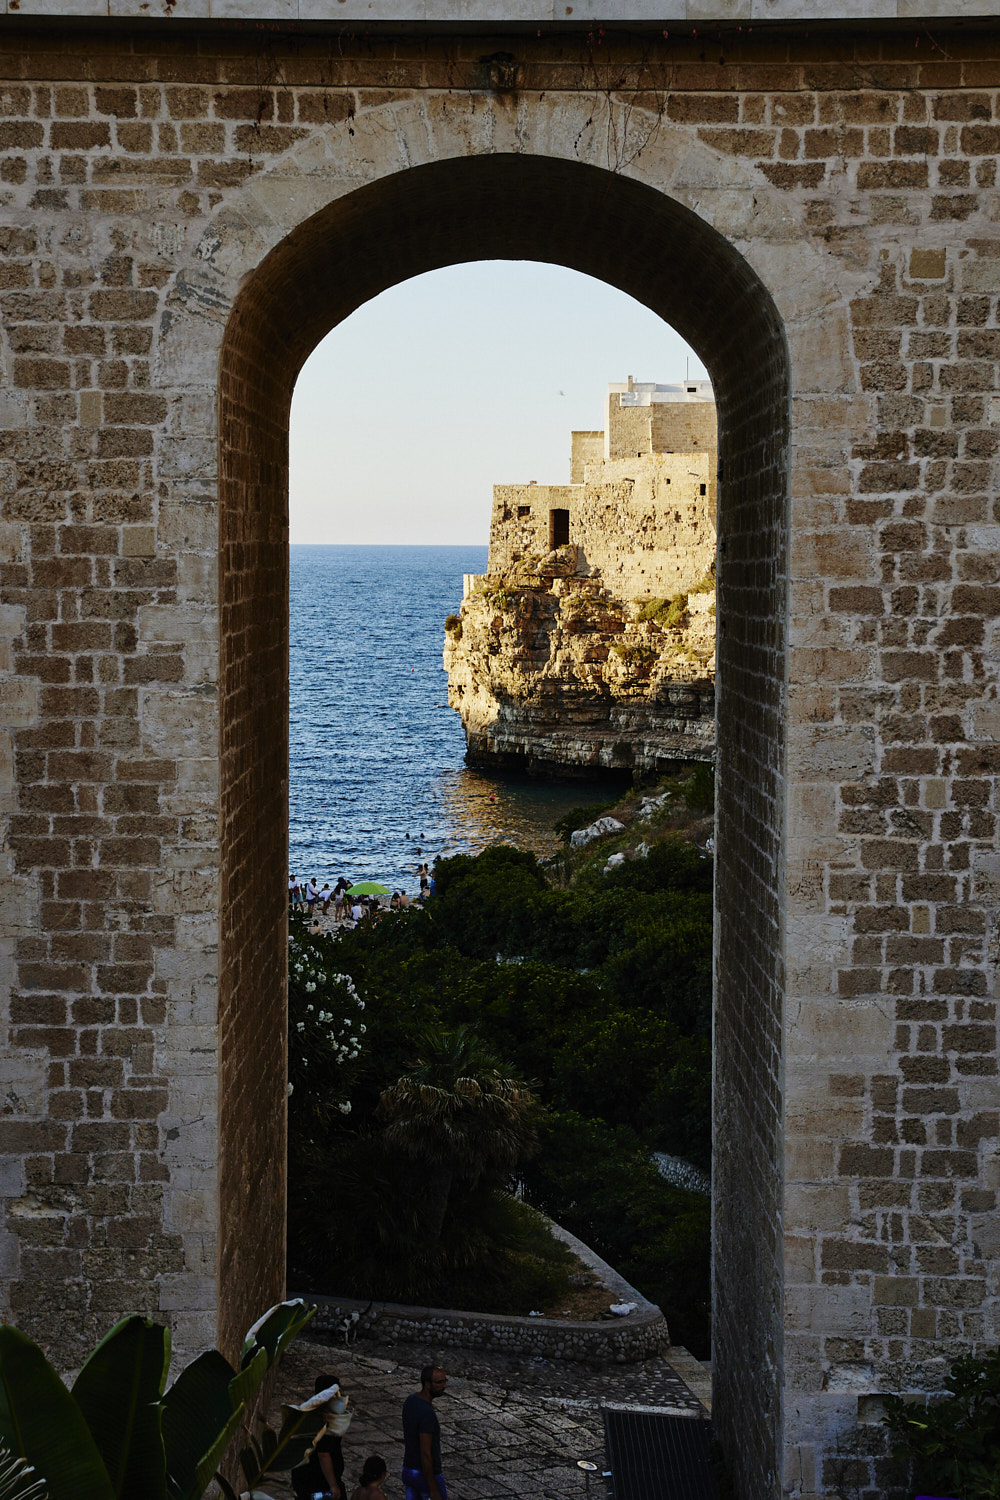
(377, 775)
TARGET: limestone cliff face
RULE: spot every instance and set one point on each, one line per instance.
(553, 674)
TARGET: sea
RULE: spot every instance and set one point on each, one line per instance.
(378, 780)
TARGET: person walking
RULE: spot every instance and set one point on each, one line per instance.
(320, 1476)
(422, 1476)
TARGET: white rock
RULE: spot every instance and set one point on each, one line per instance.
(599, 830)
(614, 861)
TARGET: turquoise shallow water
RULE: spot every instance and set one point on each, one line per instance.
(377, 757)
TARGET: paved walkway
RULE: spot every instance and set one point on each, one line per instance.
(512, 1429)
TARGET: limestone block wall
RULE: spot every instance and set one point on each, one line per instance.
(660, 427)
(585, 447)
(679, 426)
(645, 526)
(184, 214)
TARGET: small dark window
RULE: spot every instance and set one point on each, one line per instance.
(692, 390)
(558, 528)
(702, 489)
(524, 510)
(668, 478)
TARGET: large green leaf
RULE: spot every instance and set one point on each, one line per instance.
(118, 1390)
(40, 1421)
(199, 1422)
(276, 1329)
(244, 1385)
(300, 1426)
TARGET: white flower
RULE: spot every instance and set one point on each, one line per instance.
(361, 1005)
(362, 1029)
(300, 1026)
(345, 1108)
(291, 1090)
(310, 988)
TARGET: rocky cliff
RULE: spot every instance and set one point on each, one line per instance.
(554, 675)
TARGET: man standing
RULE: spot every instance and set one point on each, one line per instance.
(422, 1475)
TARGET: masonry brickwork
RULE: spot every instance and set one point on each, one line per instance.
(184, 214)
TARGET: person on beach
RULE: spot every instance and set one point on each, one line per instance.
(357, 912)
(325, 897)
(394, 901)
(340, 897)
(320, 1475)
(371, 1480)
(424, 880)
(311, 894)
(404, 900)
(294, 892)
(422, 1476)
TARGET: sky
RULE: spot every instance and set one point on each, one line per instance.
(408, 413)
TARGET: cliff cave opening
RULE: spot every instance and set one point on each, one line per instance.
(614, 228)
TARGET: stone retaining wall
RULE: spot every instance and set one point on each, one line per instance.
(626, 1341)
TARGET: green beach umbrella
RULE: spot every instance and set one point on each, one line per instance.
(368, 888)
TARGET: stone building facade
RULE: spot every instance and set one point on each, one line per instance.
(640, 507)
(561, 662)
(192, 195)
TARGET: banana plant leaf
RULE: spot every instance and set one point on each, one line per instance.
(199, 1422)
(118, 1390)
(245, 1383)
(275, 1330)
(275, 1452)
(40, 1422)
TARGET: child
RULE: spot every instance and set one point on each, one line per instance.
(372, 1479)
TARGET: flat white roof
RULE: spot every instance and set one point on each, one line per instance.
(648, 393)
(495, 14)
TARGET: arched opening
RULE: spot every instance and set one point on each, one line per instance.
(627, 234)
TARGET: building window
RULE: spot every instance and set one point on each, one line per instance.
(558, 528)
(523, 510)
(702, 489)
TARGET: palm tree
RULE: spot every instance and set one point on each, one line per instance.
(459, 1115)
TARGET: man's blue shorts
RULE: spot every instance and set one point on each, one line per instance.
(416, 1487)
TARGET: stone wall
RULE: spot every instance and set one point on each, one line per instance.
(644, 526)
(585, 447)
(817, 214)
(661, 427)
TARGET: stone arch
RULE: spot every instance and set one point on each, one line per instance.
(302, 246)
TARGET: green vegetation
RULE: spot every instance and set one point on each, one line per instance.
(954, 1444)
(453, 626)
(637, 654)
(699, 794)
(119, 1434)
(671, 613)
(667, 613)
(406, 1137)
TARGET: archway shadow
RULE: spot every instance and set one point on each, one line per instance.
(656, 250)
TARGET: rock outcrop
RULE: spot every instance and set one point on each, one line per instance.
(589, 644)
(553, 675)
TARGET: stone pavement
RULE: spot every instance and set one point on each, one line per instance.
(511, 1427)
